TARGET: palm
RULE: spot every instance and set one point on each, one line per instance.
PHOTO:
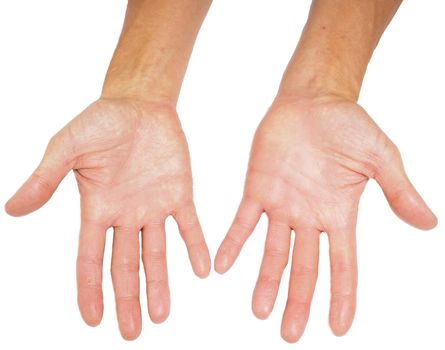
(129, 155)
(309, 165)
(132, 166)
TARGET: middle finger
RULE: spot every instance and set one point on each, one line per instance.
(125, 275)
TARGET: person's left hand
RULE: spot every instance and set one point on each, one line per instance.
(310, 161)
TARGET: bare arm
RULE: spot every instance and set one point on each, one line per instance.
(154, 48)
(311, 158)
(336, 46)
(132, 165)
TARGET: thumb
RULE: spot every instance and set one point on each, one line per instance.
(40, 186)
(403, 198)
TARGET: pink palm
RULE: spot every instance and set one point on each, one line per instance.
(309, 164)
(132, 166)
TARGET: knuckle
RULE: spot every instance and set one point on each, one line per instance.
(275, 202)
(181, 198)
(187, 224)
(233, 240)
(392, 150)
(344, 281)
(54, 141)
(154, 224)
(397, 195)
(85, 260)
(127, 298)
(302, 270)
(125, 229)
(344, 293)
(43, 181)
(154, 256)
(186, 216)
(268, 280)
(276, 254)
(277, 229)
(157, 283)
(89, 273)
(240, 224)
(344, 268)
(90, 283)
(198, 245)
(298, 305)
(388, 156)
(125, 265)
(266, 286)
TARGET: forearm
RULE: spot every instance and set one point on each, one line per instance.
(336, 46)
(154, 48)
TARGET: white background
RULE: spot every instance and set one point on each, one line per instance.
(53, 57)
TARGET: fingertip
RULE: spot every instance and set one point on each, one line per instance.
(341, 317)
(92, 322)
(290, 337)
(131, 334)
(158, 303)
(429, 222)
(158, 319)
(16, 207)
(222, 264)
(32, 195)
(91, 313)
(339, 330)
(202, 271)
(193, 236)
(158, 296)
(263, 298)
(9, 208)
(226, 256)
(159, 313)
(200, 259)
(291, 333)
(205, 273)
(434, 221)
(247, 217)
(408, 204)
(420, 217)
(294, 320)
(130, 325)
(261, 310)
(91, 307)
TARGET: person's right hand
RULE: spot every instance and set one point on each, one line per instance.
(132, 166)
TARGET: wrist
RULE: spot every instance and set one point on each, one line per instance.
(137, 85)
(336, 46)
(154, 48)
(141, 70)
(313, 82)
(325, 65)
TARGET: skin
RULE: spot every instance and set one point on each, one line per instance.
(131, 162)
(311, 158)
